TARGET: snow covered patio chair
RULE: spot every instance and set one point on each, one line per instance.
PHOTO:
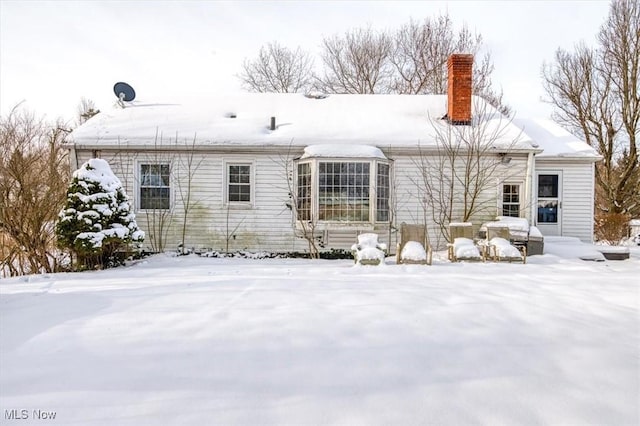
(464, 249)
(500, 249)
(368, 251)
(514, 229)
(413, 246)
(461, 245)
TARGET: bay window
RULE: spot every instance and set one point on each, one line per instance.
(343, 190)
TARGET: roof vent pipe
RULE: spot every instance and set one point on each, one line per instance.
(273, 123)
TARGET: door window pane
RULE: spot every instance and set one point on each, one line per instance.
(547, 186)
(548, 202)
(547, 211)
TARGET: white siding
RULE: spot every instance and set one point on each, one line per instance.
(577, 196)
(211, 224)
(267, 224)
(408, 191)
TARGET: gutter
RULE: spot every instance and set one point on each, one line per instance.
(582, 158)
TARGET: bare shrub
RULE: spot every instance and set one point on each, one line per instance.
(611, 228)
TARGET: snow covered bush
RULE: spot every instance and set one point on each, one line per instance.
(97, 222)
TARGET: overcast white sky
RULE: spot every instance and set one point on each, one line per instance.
(52, 53)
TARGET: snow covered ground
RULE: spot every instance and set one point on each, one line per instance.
(189, 340)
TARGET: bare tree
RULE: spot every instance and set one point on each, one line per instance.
(410, 60)
(86, 110)
(278, 69)
(298, 199)
(420, 55)
(159, 218)
(230, 233)
(596, 95)
(457, 173)
(305, 222)
(419, 59)
(34, 174)
(358, 62)
(188, 167)
(183, 162)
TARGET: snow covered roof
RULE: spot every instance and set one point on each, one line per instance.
(244, 119)
(555, 141)
(345, 151)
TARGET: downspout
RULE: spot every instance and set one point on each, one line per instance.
(73, 156)
(593, 198)
(528, 189)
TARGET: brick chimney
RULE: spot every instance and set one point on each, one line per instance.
(460, 68)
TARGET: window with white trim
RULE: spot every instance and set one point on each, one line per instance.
(343, 191)
(304, 192)
(511, 200)
(238, 183)
(382, 192)
(155, 187)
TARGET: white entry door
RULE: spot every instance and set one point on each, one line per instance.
(549, 190)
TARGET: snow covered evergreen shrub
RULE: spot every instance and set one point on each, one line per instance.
(97, 222)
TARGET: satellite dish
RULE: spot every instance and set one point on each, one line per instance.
(124, 92)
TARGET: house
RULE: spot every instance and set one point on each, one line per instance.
(273, 172)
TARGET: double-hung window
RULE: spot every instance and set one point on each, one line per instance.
(511, 200)
(155, 187)
(238, 183)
